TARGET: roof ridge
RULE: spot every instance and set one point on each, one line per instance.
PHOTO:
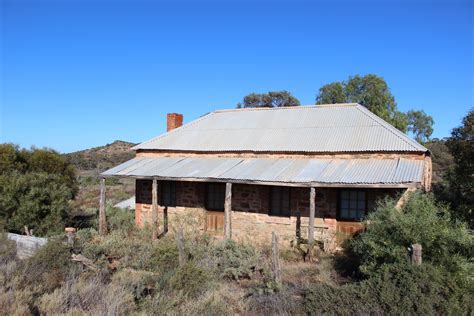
(298, 107)
(389, 127)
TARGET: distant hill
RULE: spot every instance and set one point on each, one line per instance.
(103, 157)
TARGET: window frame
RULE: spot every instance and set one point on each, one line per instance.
(280, 213)
(172, 192)
(339, 200)
(206, 200)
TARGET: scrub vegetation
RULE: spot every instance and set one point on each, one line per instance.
(130, 273)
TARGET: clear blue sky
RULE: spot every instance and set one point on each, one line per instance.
(76, 74)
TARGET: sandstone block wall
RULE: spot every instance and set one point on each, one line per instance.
(250, 210)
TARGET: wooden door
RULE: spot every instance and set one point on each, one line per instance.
(214, 221)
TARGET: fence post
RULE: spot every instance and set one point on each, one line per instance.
(71, 235)
(102, 215)
(154, 208)
(180, 242)
(416, 250)
(276, 266)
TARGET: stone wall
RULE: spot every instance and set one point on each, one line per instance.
(250, 209)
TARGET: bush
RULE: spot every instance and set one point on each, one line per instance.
(398, 289)
(190, 279)
(120, 219)
(91, 296)
(234, 260)
(421, 220)
(36, 187)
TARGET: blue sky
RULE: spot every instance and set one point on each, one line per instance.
(77, 74)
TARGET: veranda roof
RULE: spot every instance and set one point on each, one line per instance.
(397, 172)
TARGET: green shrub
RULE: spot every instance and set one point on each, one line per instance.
(398, 289)
(7, 248)
(37, 200)
(421, 220)
(190, 279)
(234, 260)
(164, 256)
(50, 264)
(140, 283)
(120, 219)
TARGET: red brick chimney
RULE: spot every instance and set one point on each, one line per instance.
(173, 120)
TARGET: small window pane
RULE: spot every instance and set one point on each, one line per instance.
(344, 213)
(215, 196)
(280, 201)
(353, 195)
(352, 204)
(344, 204)
(168, 193)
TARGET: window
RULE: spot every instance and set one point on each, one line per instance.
(168, 193)
(280, 201)
(215, 196)
(352, 204)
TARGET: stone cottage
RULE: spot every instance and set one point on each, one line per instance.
(294, 170)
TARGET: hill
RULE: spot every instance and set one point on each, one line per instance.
(89, 163)
(103, 157)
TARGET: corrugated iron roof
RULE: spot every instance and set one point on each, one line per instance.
(273, 170)
(322, 128)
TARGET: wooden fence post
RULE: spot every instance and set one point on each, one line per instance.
(154, 209)
(276, 266)
(416, 250)
(180, 242)
(227, 211)
(312, 210)
(102, 215)
(71, 235)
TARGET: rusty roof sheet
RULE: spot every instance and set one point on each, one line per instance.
(274, 170)
(322, 128)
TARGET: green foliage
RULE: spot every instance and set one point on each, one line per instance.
(269, 100)
(370, 91)
(460, 189)
(397, 289)
(421, 220)
(35, 189)
(420, 124)
(235, 260)
(332, 93)
(190, 279)
(37, 200)
(442, 161)
(118, 218)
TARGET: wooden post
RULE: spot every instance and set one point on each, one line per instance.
(227, 211)
(416, 254)
(276, 266)
(312, 209)
(71, 235)
(180, 242)
(154, 209)
(102, 216)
